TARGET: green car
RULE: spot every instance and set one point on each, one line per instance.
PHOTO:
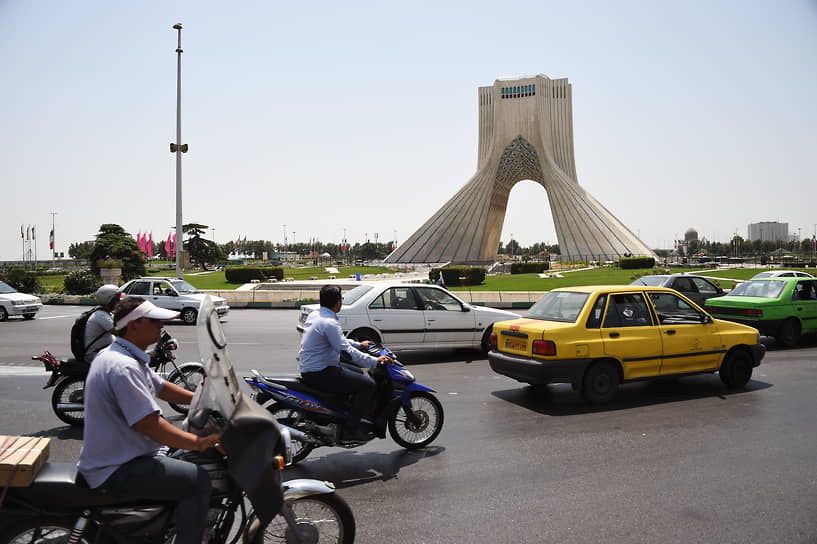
(785, 308)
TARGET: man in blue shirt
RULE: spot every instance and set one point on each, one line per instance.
(320, 366)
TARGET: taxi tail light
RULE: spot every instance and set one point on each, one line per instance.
(493, 340)
(751, 312)
(543, 347)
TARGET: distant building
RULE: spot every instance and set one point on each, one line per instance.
(690, 235)
(768, 231)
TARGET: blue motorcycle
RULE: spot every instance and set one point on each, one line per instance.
(412, 413)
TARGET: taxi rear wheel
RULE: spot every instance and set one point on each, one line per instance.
(789, 334)
(600, 383)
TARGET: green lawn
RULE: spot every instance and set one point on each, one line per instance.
(214, 280)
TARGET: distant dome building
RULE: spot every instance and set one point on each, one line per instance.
(690, 235)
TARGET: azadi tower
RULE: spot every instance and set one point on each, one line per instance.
(525, 132)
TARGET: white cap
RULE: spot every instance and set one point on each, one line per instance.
(149, 310)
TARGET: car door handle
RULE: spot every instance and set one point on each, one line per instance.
(432, 320)
(670, 331)
(377, 320)
(614, 335)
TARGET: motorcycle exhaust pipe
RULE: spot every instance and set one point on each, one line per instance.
(298, 435)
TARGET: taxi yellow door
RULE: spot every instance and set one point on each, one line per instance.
(690, 344)
(630, 335)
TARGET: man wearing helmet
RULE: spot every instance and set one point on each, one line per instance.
(99, 328)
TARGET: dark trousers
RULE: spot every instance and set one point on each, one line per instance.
(163, 478)
(336, 379)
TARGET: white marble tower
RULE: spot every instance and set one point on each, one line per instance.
(525, 133)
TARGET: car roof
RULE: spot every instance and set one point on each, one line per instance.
(615, 288)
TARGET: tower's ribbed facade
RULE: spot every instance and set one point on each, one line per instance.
(525, 132)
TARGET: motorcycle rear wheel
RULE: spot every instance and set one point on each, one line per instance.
(320, 518)
(410, 435)
(70, 392)
(41, 531)
(289, 417)
(186, 378)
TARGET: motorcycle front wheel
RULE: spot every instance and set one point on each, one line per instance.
(319, 518)
(68, 400)
(41, 531)
(187, 378)
(289, 417)
(423, 428)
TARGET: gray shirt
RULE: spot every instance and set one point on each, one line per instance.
(120, 390)
(101, 321)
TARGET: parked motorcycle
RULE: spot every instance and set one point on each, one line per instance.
(413, 414)
(58, 507)
(68, 378)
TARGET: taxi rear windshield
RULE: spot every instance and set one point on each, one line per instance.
(762, 289)
(559, 306)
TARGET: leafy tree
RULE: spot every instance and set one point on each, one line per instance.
(113, 242)
(81, 250)
(202, 251)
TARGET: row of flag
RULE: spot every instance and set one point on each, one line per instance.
(145, 241)
(28, 234)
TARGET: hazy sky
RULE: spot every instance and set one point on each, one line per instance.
(325, 116)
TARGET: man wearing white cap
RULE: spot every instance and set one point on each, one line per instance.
(125, 436)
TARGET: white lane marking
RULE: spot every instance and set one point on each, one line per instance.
(53, 317)
(21, 371)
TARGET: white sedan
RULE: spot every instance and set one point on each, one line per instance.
(14, 303)
(413, 316)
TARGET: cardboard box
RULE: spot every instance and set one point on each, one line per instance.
(21, 458)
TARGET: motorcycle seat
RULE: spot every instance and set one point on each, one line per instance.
(60, 485)
(294, 383)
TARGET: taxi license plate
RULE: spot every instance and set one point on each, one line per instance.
(516, 345)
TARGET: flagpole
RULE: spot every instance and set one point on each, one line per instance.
(53, 241)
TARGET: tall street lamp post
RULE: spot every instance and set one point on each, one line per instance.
(178, 148)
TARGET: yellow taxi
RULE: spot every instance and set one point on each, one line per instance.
(597, 337)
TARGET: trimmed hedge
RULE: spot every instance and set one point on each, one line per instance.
(529, 268)
(245, 274)
(631, 263)
(458, 275)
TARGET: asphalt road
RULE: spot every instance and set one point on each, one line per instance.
(680, 461)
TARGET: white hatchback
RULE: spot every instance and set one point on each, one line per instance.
(413, 316)
(13, 302)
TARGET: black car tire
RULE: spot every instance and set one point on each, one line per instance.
(736, 369)
(189, 316)
(29, 316)
(600, 382)
(485, 343)
(4, 314)
(789, 333)
(361, 335)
